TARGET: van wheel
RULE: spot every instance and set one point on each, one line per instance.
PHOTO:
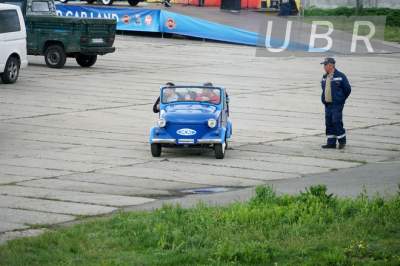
(86, 60)
(11, 71)
(156, 150)
(107, 2)
(220, 150)
(133, 2)
(55, 56)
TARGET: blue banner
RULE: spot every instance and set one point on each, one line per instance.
(195, 27)
(154, 20)
(128, 19)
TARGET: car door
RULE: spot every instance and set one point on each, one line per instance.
(4, 49)
(10, 28)
(225, 109)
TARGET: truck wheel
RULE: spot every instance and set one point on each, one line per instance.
(11, 71)
(219, 150)
(156, 150)
(55, 56)
(133, 2)
(107, 2)
(86, 60)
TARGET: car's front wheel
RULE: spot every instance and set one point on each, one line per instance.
(156, 150)
(133, 2)
(11, 71)
(86, 60)
(107, 2)
(55, 56)
(220, 150)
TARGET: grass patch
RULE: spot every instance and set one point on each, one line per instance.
(392, 30)
(312, 228)
(392, 34)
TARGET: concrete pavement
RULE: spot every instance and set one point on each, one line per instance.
(371, 179)
(74, 142)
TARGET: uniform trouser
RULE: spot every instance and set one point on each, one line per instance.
(334, 124)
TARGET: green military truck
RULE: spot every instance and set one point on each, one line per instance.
(60, 37)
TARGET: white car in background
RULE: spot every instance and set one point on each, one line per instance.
(12, 43)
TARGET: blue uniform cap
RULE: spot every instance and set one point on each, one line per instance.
(329, 60)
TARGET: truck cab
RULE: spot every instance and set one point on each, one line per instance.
(58, 38)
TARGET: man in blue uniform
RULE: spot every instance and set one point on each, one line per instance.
(335, 90)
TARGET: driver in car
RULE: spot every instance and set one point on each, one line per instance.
(170, 95)
(156, 106)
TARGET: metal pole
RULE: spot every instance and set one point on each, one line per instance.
(303, 7)
(359, 6)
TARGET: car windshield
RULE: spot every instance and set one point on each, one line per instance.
(200, 94)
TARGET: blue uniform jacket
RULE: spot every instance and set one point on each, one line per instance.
(340, 88)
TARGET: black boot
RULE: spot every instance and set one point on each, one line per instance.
(342, 143)
(167, 3)
(329, 146)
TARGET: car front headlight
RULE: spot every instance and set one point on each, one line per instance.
(161, 122)
(212, 123)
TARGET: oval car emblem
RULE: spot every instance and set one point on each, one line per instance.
(186, 132)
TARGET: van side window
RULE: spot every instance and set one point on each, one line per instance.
(9, 21)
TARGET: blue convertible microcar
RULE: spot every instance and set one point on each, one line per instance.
(192, 116)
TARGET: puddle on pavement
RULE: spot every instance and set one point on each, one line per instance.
(209, 190)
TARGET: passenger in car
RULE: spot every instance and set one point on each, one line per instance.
(208, 95)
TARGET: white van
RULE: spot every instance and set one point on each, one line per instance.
(12, 43)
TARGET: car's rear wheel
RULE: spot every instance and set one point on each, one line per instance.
(107, 2)
(55, 56)
(64, 1)
(133, 2)
(11, 71)
(220, 150)
(156, 150)
(86, 60)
